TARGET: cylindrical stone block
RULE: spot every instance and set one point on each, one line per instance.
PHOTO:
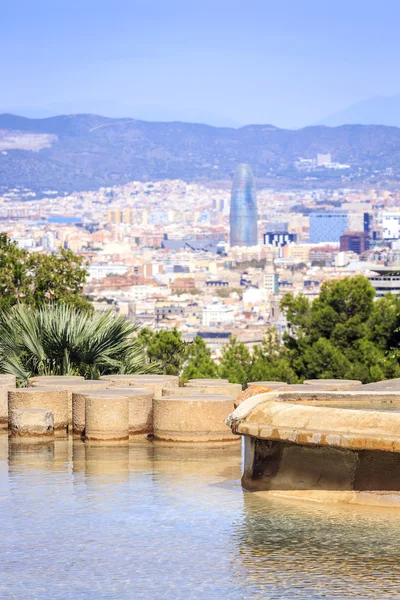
(210, 380)
(333, 384)
(106, 417)
(44, 379)
(8, 379)
(172, 380)
(193, 419)
(31, 422)
(271, 384)
(231, 389)
(4, 405)
(140, 410)
(47, 398)
(76, 394)
(6, 384)
(154, 383)
(70, 385)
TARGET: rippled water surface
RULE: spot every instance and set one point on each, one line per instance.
(156, 522)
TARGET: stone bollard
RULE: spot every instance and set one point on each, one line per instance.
(78, 394)
(47, 398)
(106, 417)
(10, 380)
(226, 389)
(70, 385)
(193, 419)
(140, 410)
(5, 387)
(32, 422)
(154, 383)
(332, 385)
(140, 407)
(212, 381)
(44, 379)
(181, 391)
(273, 385)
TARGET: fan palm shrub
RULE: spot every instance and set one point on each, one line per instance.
(61, 340)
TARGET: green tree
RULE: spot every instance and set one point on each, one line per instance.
(343, 332)
(36, 279)
(235, 362)
(62, 340)
(165, 348)
(198, 361)
(270, 360)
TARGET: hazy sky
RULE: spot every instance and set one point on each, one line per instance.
(286, 62)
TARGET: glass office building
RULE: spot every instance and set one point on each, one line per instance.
(327, 227)
(243, 215)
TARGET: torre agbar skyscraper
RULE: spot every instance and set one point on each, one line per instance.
(243, 216)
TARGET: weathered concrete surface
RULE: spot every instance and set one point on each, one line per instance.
(106, 417)
(193, 419)
(203, 381)
(325, 426)
(251, 391)
(52, 378)
(8, 379)
(140, 407)
(273, 385)
(5, 386)
(47, 398)
(77, 392)
(140, 410)
(309, 445)
(154, 383)
(32, 422)
(231, 389)
(323, 474)
(70, 385)
(333, 384)
(388, 384)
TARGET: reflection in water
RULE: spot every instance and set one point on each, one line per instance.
(149, 520)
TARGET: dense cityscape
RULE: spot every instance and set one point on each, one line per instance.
(167, 254)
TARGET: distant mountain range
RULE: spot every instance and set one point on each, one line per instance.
(76, 152)
(381, 110)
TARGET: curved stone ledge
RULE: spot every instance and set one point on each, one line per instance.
(275, 417)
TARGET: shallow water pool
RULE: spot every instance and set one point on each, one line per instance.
(148, 521)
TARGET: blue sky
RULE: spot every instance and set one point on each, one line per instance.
(286, 62)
